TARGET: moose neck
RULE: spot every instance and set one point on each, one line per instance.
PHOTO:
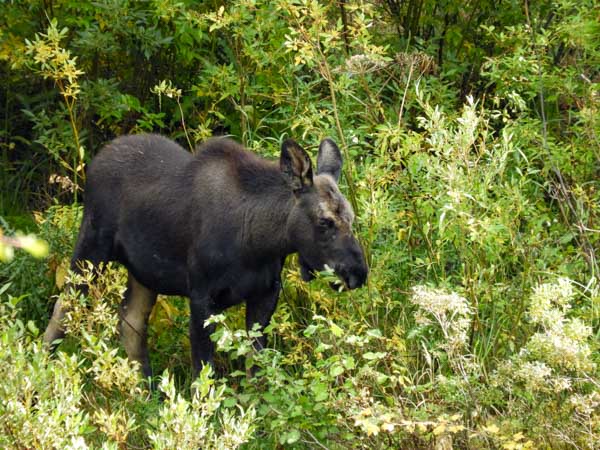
(265, 225)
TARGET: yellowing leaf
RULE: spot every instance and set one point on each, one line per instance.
(168, 308)
(368, 426)
(389, 427)
(38, 217)
(492, 429)
(371, 428)
(366, 412)
(439, 429)
(61, 274)
(335, 330)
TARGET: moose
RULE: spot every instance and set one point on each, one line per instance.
(215, 226)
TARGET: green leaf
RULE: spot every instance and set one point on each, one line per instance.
(229, 402)
(336, 370)
(322, 347)
(35, 331)
(290, 438)
(371, 356)
(310, 330)
(4, 288)
(321, 391)
(349, 362)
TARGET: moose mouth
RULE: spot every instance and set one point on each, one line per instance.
(349, 279)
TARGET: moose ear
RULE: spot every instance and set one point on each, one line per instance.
(329, 160)
(296, 166)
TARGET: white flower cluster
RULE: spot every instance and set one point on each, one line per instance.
(558, 357)
(550, 302)
(449, 311)
(361, 64)
(585, 405)
(534, 374)
(562, 342)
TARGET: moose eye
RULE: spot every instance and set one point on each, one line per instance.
(326, 223)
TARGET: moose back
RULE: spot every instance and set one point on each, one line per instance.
(215, 227)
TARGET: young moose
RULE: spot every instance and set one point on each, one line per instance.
(215, 227)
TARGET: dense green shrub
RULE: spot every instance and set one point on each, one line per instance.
(94, 398)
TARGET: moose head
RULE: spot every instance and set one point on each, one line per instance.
(320, 222)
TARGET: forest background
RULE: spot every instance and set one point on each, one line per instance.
(471, 133)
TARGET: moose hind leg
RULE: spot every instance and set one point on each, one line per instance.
(135, 311)
(89, 247)
(55, 330)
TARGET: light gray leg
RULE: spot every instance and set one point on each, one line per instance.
(55, 329)
(135, 311)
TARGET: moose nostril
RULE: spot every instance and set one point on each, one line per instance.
(356, 279)
(363, 276)
(352, 282)
(355, 282)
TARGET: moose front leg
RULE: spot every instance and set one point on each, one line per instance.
(259, 311)
(202, 347)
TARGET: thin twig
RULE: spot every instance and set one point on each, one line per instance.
(184, 127)
(400, 113)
